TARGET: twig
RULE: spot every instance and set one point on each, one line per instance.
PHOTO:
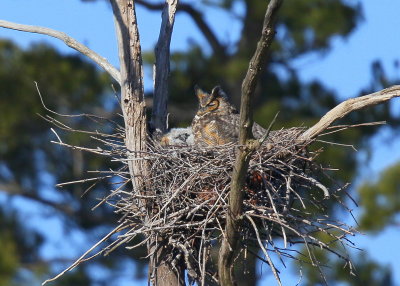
(82, 181)
(338, 144)
(338, 128)
(54, 112)
(271, 264)
(58, 137)
(80, 259)
(261, 140)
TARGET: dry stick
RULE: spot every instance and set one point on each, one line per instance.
(275, 210)
(52, 111)
(339, 128)
(265, 136)
(69, 41)
(82, 258)
(65, 127)
(226, 253)
(162, 67)
(82, 181)
(271, 264)
(61, 125)
(58, 137)
(90, 150)
(348, 106)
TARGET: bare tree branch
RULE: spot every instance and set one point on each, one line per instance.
(226, 253)
(197, 17)
(348, 106)
(162, 66)
(69, 41)
(83, 257)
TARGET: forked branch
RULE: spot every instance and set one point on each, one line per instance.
(69, 41)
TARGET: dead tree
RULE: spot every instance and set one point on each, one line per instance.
(180, 213)
(130, 78)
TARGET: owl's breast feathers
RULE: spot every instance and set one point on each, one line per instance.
(211, 129)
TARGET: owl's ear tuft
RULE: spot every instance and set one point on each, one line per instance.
(199, 91)
(201, 95)
(218, 92)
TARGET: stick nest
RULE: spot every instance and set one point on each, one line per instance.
(184, 204)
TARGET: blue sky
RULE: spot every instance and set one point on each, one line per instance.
(345, 69)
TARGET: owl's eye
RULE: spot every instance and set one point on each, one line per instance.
(214, 103)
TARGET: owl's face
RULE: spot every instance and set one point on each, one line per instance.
(215, 122)
(214, 103)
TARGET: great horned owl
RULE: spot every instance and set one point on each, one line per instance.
(217, 121)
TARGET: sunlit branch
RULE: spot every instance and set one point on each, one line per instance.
(348, 106)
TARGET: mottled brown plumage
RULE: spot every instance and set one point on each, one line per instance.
(217, 121)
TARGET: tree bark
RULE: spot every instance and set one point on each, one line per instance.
(162, 67)
(134, 112)
(132, 91)
(233, 219)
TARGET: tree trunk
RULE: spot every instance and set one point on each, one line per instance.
(134, 112)
(132, 92)
(161, 273)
